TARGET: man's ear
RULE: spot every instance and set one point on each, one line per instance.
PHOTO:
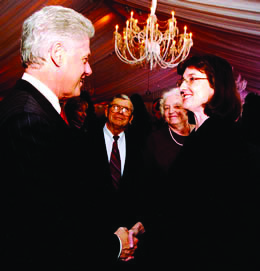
(57, 53)
(106, 111)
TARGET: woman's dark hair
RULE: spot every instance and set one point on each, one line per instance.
(72, 107)
(225, 102)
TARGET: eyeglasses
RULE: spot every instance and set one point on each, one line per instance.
(189, 81)
(115, 108)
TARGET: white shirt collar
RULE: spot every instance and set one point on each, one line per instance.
(44, 90)
(107, 131)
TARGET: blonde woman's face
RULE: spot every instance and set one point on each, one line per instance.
(174, 113)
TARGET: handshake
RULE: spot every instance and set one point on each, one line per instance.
(129, 240)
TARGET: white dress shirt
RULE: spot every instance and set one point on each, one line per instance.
(121, 143)
(44, 90)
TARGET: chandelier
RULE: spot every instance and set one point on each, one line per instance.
(150, 45)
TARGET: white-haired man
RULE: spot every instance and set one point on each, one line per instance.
(49, 218)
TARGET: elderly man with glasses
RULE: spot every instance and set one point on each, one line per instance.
(116, 165)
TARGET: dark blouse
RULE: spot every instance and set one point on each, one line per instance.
(161, 150)
(160, 153)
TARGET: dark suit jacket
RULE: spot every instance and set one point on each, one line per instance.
(211, 211)
(48, 213)
(122, 205)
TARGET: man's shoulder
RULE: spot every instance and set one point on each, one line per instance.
(13, 104)
(97, 132)
(22, 99)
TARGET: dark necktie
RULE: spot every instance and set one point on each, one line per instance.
(115, 163)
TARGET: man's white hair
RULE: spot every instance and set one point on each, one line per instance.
(50, 24)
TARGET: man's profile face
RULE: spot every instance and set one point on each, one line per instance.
(76, 66)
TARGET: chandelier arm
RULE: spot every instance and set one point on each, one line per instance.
(165, 65)
(186, 44)
(167, 47)
(144, 37)
(124, 59)
(130, 53)
(126, 42)
(146, 40)
(162, 63)
(170, 63)
(120, 56)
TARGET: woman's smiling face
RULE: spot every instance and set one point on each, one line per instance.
(195, 89)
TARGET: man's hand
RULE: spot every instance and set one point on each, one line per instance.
(137, 229)
(127, 248)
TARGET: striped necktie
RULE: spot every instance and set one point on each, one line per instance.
(115, 163)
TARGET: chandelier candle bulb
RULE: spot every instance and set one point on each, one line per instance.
(151, 46)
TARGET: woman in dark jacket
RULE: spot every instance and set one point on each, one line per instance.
(212, 214)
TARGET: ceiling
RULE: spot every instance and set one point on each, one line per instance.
(228, 28)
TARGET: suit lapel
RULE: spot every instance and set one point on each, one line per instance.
(128, 154)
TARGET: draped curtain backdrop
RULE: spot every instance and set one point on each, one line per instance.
(228, 28)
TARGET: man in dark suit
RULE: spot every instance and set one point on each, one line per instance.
(48, 211)
(121, 197)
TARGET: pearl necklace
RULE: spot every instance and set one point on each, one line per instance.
(174, 138)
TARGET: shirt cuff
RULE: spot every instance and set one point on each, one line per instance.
(120, 250)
